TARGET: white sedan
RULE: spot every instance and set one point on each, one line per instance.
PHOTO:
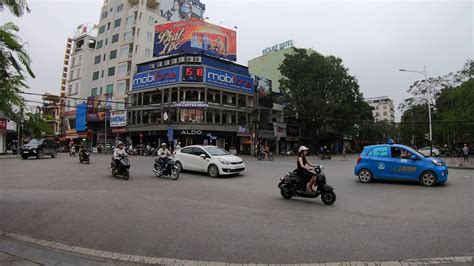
(426, 151)
(211, 159)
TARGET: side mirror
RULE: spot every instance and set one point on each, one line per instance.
(414, 157)
(203, 156)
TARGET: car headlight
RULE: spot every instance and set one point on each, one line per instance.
(33, 147)
(438, 163)
(223, 161)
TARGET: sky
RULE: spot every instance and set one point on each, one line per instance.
(373, 38)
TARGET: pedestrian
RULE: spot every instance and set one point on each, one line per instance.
(465, 151)
(344, 151)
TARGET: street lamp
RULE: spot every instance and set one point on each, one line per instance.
(429, 105)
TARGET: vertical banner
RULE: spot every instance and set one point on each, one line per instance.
(81, 111)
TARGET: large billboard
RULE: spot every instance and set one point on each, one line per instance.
(81, 110)
(195, 36)
(156, 78)
(263, 88)
(181, 10)
(229, 80)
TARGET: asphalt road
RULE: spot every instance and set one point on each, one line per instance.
(234, 219)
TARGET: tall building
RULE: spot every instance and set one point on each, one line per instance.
(382, 108)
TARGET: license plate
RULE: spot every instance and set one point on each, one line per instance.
(25, 151)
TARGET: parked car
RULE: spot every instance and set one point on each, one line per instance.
(39, 148)
(426, 151)
(399, 162)
(211, 159)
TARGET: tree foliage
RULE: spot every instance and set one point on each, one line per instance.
(35, 125)
(320, 89)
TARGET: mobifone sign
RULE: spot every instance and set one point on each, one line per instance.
(156, 78)
(229, 80)
(118, 119)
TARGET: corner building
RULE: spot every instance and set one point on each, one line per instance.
(192, 99)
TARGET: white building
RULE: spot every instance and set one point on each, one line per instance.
(382, 108)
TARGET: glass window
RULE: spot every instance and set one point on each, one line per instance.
(111, 71)
(104, 15)
(99, 44)
(93, 91)
(149, 36)
(115, 38)
(121, 88)
(123, 52)
(95, 75)
(113, 54)
(108, 26)
(117, 23)
(127, 36)
(119, 8)
(151, 20)
(147, 52)
(97, 60)
(216, 151)
(69, 89)
(192, 115)
(379, 152)
(122, 69)
(109, 89)
(187, 150)
(129, 21)
(102, 29)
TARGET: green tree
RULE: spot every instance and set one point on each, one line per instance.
(320, 89)
(35, 125)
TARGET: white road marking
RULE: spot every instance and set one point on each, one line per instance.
(168, 261)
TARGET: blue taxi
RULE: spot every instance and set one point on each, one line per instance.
(399, 162)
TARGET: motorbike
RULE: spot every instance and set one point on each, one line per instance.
(169, 169)
(120, 167)
(291, 185)
(261, 156)
(325, 155)
(72, 151)
(84, 156)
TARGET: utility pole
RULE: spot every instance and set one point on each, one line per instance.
(19, 132)
(105, 131)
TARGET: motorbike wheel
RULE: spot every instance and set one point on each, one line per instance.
(328, 197)
(270, 157)
(114, 172)
(259, 157)
(126, 174)
(285, 193)
(88, 161)
(174, 174)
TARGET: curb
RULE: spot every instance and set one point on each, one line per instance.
(127, 258)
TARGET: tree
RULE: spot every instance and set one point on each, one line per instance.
(322, 92)
(35, 125)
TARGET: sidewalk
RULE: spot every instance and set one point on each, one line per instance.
(458, 162)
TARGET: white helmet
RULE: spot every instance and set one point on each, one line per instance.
(302, 148)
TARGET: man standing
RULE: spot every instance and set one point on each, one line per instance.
(465, 151)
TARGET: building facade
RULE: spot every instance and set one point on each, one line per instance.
(382, 108)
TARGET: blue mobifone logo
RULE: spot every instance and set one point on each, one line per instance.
(156, 78)
(229, 80)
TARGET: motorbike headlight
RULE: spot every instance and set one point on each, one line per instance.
(223, 161)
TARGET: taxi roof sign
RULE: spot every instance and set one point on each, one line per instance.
(390, 141)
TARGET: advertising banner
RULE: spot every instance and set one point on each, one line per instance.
(118, 119)
(180, 10)
(229, 80)
(195, 36)
(156, 78)
(3, 124)
(263, 88)
(279, 129)
(81, 110)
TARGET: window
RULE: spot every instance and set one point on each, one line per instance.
(117, 23)
(122, 69)
(121, 88)
(127, 36)
(115, 38)
(187, 150)
(147, 52)
(113, 54)
(104, 57)
(151, 20)
(106, 41)
(385, 113)
(99, 44)
(384, 107)
(192, 115)
(69, 90)
(79, 60)
(73, 61)
(119, 8)
(78, 73)
(97, 60)
(149, 36)
(93, 91)
(129, 21)
(102, 74)
(104, 15)
(109, 89)
(123, 52)
(111, 71)
(73, 89)
(95, 75)
(102, 29)
(379, 152)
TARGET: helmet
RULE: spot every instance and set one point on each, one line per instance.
(302, 148)
(120, 143)
(163, 144)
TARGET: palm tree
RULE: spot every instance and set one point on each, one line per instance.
(17, 7)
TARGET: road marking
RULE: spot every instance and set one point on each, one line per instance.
(167, 261)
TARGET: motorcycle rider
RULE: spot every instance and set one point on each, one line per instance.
(304, 169)
(82, 150)
(118, 151)
(163, 153)
(178, 147)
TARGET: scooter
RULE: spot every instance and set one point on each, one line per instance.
(261, 156)
(170, 169)
(291, 185)
(120, 167)
(72, 151)
(84, 156)
(325, 155)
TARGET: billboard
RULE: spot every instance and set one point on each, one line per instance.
(81, 110)
(263, 89)
(229, 80)
(156, 78)
(118, 119)
(181, 10)
(195, 36)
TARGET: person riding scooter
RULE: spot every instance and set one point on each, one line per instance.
(163, 153)
(304, 169)
(119, 151)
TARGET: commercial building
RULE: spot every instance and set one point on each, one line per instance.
(8, 132)
(382, 108)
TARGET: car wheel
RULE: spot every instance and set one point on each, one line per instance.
(428, 179)
(213, 171)
(365, 176)
(40, 154)
(54, 154)
(179, 166)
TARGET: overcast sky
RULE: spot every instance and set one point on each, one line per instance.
(373, 38)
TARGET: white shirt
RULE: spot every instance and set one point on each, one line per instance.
(118, 152)
(164, 152)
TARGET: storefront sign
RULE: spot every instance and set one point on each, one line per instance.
(118, 119)
(266, 134)
(278, 47)
(279, 130)
(191, 132)
(192, 73)
(3, 124)
(229, 80)
(119, 130)
(192, 105)
(156, 78)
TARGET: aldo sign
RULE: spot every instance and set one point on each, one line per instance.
(156, 78)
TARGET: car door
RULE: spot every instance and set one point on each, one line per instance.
(200, 163)
(378, 159)
(402, 166)
(185, 156)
